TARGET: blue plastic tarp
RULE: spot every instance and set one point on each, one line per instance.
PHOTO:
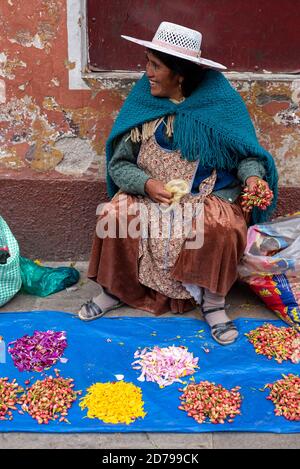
(100, 349)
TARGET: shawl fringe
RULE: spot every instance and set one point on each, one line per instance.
(149, 129)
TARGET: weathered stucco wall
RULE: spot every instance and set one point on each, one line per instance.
(275, 110)
(45, 127)
(52, 138)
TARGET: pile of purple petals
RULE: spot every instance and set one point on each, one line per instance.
(39, 351)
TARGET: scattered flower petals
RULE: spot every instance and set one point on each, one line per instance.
(115, 402)
(285, 394)
(295, 357)
(8, 397)
(281, 343)
(209, 401)
(63, 360)
(164, 366)
(38, 352)
(73, 288)
(119, 377)
(38, 262)
(50, 399)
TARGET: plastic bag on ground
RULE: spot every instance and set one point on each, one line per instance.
(271, 266)
(10, 274)
(43, 281)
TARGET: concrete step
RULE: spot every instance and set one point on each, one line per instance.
(243, 302)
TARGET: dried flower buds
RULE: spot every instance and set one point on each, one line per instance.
(259, 197)
(285, 394)
(38, 352)
(280, 343)
(295, 357)
(115, 402)
(50, 399)
(209, 401)
(9, 397)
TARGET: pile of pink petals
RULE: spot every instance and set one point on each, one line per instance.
(39, 351)
(164, 366)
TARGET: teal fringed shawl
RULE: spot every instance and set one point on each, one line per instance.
(212, 125)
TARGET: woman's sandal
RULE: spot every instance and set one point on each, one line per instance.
(219, 329)
(94, 311)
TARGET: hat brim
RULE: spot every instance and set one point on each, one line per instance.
(196, 60)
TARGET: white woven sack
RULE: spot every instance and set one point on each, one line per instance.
(10, 273)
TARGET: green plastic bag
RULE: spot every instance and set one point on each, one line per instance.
(10, 275)
(43, 281)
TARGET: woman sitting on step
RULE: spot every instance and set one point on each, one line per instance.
(182, 124)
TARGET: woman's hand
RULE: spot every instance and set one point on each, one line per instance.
(252, 181)
(257, 193)
(155, 189)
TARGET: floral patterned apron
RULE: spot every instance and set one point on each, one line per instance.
(158, 254)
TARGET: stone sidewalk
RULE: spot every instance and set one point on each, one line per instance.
(242, 303)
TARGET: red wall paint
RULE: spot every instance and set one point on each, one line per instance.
(245, 36)
(39, 107)
(53, 214)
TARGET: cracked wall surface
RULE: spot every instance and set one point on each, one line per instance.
(54, 125)
(274, 107)
(48, 130)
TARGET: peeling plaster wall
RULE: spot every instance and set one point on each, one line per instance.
(275, 110)
(54, 130)
(37, 108)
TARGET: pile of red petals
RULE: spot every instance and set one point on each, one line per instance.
(9, 397)
(50, 399)
(285, 394)
(281, 343)
(259, 197)
(210, 401)
(38, 352)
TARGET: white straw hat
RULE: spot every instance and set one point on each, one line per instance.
(177, 40)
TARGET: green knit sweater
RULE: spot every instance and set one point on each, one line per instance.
(131, 179)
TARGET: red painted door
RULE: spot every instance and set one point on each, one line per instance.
(245, 36)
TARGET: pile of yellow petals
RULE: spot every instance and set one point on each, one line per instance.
(114, 402)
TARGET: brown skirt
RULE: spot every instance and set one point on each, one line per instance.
(114, 261)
